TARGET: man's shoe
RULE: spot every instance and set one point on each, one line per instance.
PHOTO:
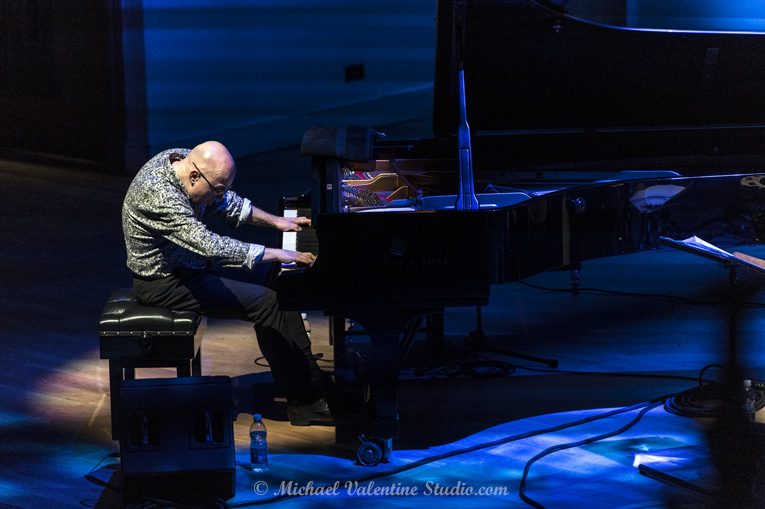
(315, 413)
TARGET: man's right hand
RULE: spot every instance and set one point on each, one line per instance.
(305, 258)
(286, 256)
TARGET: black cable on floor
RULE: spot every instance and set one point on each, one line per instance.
(571, 445)
(707, 399)
(704, 401)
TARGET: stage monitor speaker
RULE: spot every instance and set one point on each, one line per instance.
(177, 438)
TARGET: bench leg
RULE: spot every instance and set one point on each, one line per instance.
(124, 369)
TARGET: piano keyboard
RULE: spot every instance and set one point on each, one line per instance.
(304, 240)
(289, 239)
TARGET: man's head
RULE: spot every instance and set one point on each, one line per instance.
(208, 172)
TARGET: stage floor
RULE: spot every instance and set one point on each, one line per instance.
(63, 254)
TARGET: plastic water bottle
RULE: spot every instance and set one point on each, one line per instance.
(258, 445)
(750, 400)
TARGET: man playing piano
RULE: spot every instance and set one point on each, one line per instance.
(175, 259)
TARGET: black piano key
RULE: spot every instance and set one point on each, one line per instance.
(306, 238)
(307, 241)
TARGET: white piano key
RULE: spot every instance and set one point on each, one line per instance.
(289, 239)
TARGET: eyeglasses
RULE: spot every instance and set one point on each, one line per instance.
(218, 190)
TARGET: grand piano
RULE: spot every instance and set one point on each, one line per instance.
(564, 131)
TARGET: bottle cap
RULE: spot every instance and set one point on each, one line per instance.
(256, 417)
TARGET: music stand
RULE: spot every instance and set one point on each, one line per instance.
(699, 247)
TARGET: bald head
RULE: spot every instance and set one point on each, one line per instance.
(207, 172)
(212, 156)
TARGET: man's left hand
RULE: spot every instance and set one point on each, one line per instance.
(292, 224)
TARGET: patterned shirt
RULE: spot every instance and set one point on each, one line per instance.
(163, 229)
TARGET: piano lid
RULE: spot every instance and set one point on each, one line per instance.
(553, 81)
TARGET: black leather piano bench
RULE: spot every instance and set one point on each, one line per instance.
(137, 336)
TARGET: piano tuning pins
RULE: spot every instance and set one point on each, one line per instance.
(356, 197)
(349, 174)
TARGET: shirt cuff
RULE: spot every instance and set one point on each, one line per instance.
(254, 255)
(245, 212)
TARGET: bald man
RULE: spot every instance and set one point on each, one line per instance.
(175, 261)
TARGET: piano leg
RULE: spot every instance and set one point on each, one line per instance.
(384, 384)
(384, 329)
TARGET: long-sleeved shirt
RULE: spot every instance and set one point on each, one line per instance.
(163, 229)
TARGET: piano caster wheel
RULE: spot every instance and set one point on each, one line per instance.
(369, 453)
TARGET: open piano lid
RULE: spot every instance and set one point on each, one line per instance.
(573, 81)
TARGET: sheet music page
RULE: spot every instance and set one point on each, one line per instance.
(705, 246)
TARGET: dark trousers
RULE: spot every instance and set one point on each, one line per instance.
(281, 335)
